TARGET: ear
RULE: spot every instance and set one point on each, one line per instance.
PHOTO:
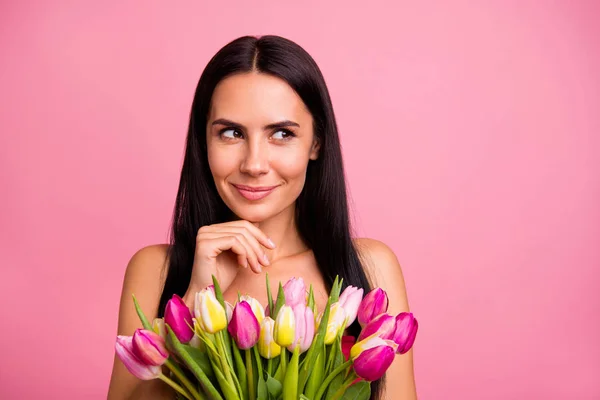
(314, 150)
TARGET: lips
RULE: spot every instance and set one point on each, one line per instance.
(254, 192)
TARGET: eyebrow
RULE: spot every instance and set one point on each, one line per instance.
(276, 125)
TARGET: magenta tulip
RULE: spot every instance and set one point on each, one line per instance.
(350, 300)
(374, 304)
(244, 327)
(149, 347)
(383, 325)
(139, 369)
(179, 318)
(295, 292)
(347, 343)
(372, 363)
(305, 328)
(405, 331)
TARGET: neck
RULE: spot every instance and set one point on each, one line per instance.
(282, 230)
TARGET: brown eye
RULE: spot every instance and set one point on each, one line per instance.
(231, 134)
(283, 135)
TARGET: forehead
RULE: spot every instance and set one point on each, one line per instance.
(256, 97)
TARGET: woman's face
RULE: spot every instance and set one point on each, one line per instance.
(260, 139)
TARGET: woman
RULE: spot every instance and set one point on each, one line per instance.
(262, 190)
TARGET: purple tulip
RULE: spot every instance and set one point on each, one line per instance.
(350, 300)
(305, 328)
(139, 369)
(372, 363)
(384, 325)
(244, 327)
(405, 331)
(149, 347)
(374, 304)
(295, 292)
(179, 318)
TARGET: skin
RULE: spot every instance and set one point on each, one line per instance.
(245, 148)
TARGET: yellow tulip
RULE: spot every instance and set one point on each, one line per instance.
(285, 327)
(257, 308)
(209, 313)
(267, 347)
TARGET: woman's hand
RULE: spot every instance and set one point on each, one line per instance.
(245, 242)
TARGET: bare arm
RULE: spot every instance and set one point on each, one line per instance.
(385, 272)
(144, 278)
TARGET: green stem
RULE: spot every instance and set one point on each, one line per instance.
(351, 377)
(331, 376)
(175, 386)
(269, 366)
(283, 363)
(250, 373)
(224, 361)
(183, 379)
(259, 365)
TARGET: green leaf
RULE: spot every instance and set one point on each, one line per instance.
(240, 369)
(311, 298)
(140, 313)
(187, 359)
(228, 392)
(280, 301)
(269, 294)
(261, 391)
(290, 381)
(316, 376)
(201, 358)
(338, 359)
(274, 387)
(359, 391)
(218, 292)
(335, 289)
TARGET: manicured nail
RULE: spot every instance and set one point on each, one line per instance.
(266, 259)
(271, 243)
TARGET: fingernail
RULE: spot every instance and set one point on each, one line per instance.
(259, 269)
(271, 243)
(266, 259)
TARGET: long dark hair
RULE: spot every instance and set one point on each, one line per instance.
(322, 207)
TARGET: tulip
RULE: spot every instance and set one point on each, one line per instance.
(383, 325)
(257, 308)
(285, 327)
(347, 343)
(149, 347)
(295, 292)
(350, 300)
(209, 313)
(158, 326)
(372, 357)
(337, 316)
(244, 327)
(267, 347)
(141, 370)
(374, 304)
(405, 331)
(305, 328)
(228, 310)
(179, 318)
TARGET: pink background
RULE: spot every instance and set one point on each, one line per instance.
(471, 139)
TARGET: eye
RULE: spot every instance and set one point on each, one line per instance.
(283, 134)
(230, 134)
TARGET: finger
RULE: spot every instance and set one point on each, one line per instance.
(246, 258)
(260, 235)
(252, 241)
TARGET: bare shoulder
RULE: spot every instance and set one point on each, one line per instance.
(383, 270)
(144, 278)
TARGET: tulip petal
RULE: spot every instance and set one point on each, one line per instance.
(179, 318)
(371, 364)
(149, 347)
(244, 327)
(124, 350)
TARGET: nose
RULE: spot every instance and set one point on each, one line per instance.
(256, 159)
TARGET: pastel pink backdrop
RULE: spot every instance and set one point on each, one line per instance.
(471, 139)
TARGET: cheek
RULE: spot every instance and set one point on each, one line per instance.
(291, 165)
(221, 163)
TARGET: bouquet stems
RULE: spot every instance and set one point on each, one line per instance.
(183, 379)
(175, 386)
(329, 378)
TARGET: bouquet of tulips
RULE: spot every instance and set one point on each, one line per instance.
(283, 351)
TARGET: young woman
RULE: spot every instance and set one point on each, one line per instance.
(262, 189)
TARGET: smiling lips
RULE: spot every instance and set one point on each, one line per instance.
(254, 192)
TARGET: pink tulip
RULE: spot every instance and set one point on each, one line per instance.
(405, 331)
(305, 328)
(374, 304)
(372, 363)
(149, 347)
(179, 318)
(350, 300)
(295, 292)
(383, 325)
(244, 327)
(124, 350)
